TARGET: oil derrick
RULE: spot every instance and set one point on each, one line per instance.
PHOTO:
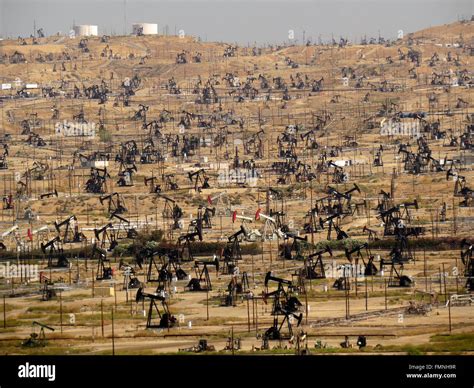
(311, 221)
(221, 202)
(3, 158)
(385, 201)
(202, 281)
(37, 172)
(285, 306)
(158, 272)
(161, 272)
(172, 265)
(309, 139)
(140, 114)
(253, 145)
(338, 174)
(342, 283)
(181, 58)
(166, 320)
(270, 228)
(8, 202)
(396, 277)
(127, 154)
(378, 158)
(397, 219)
(338, 202)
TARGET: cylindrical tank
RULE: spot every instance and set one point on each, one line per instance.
(85, 30)
(145, 28)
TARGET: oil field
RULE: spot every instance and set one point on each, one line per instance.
(166, 195)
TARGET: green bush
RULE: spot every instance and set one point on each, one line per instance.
(436, 244)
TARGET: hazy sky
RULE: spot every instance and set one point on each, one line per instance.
(244, 22)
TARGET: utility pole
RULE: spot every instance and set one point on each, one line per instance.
(61, 311)
(4, 313)
(113, 334)
(449, 314)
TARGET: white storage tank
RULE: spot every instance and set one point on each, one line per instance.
(85, 30)
(145, 29)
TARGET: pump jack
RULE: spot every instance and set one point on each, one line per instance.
(399, 255)
(286, 253)
(370, 268)
(340, 234)
(97, 183)
(53, 250)
(201, 181)
(314, 268)
(8, 202)
(47, 293)
(103, 235)
(71, 233)
(232, 253)
(166, 319)
(202, 275)
(235, 288)
(184, 242)
(124, 224)
(35, 339)
(284, 304)
(170, 183)
(104, 270)
(115, 203)
(50, 194)
(172, 210)
(129, 278)
(154, 188)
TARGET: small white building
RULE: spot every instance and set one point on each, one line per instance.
(85, 30)
(145, 29)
